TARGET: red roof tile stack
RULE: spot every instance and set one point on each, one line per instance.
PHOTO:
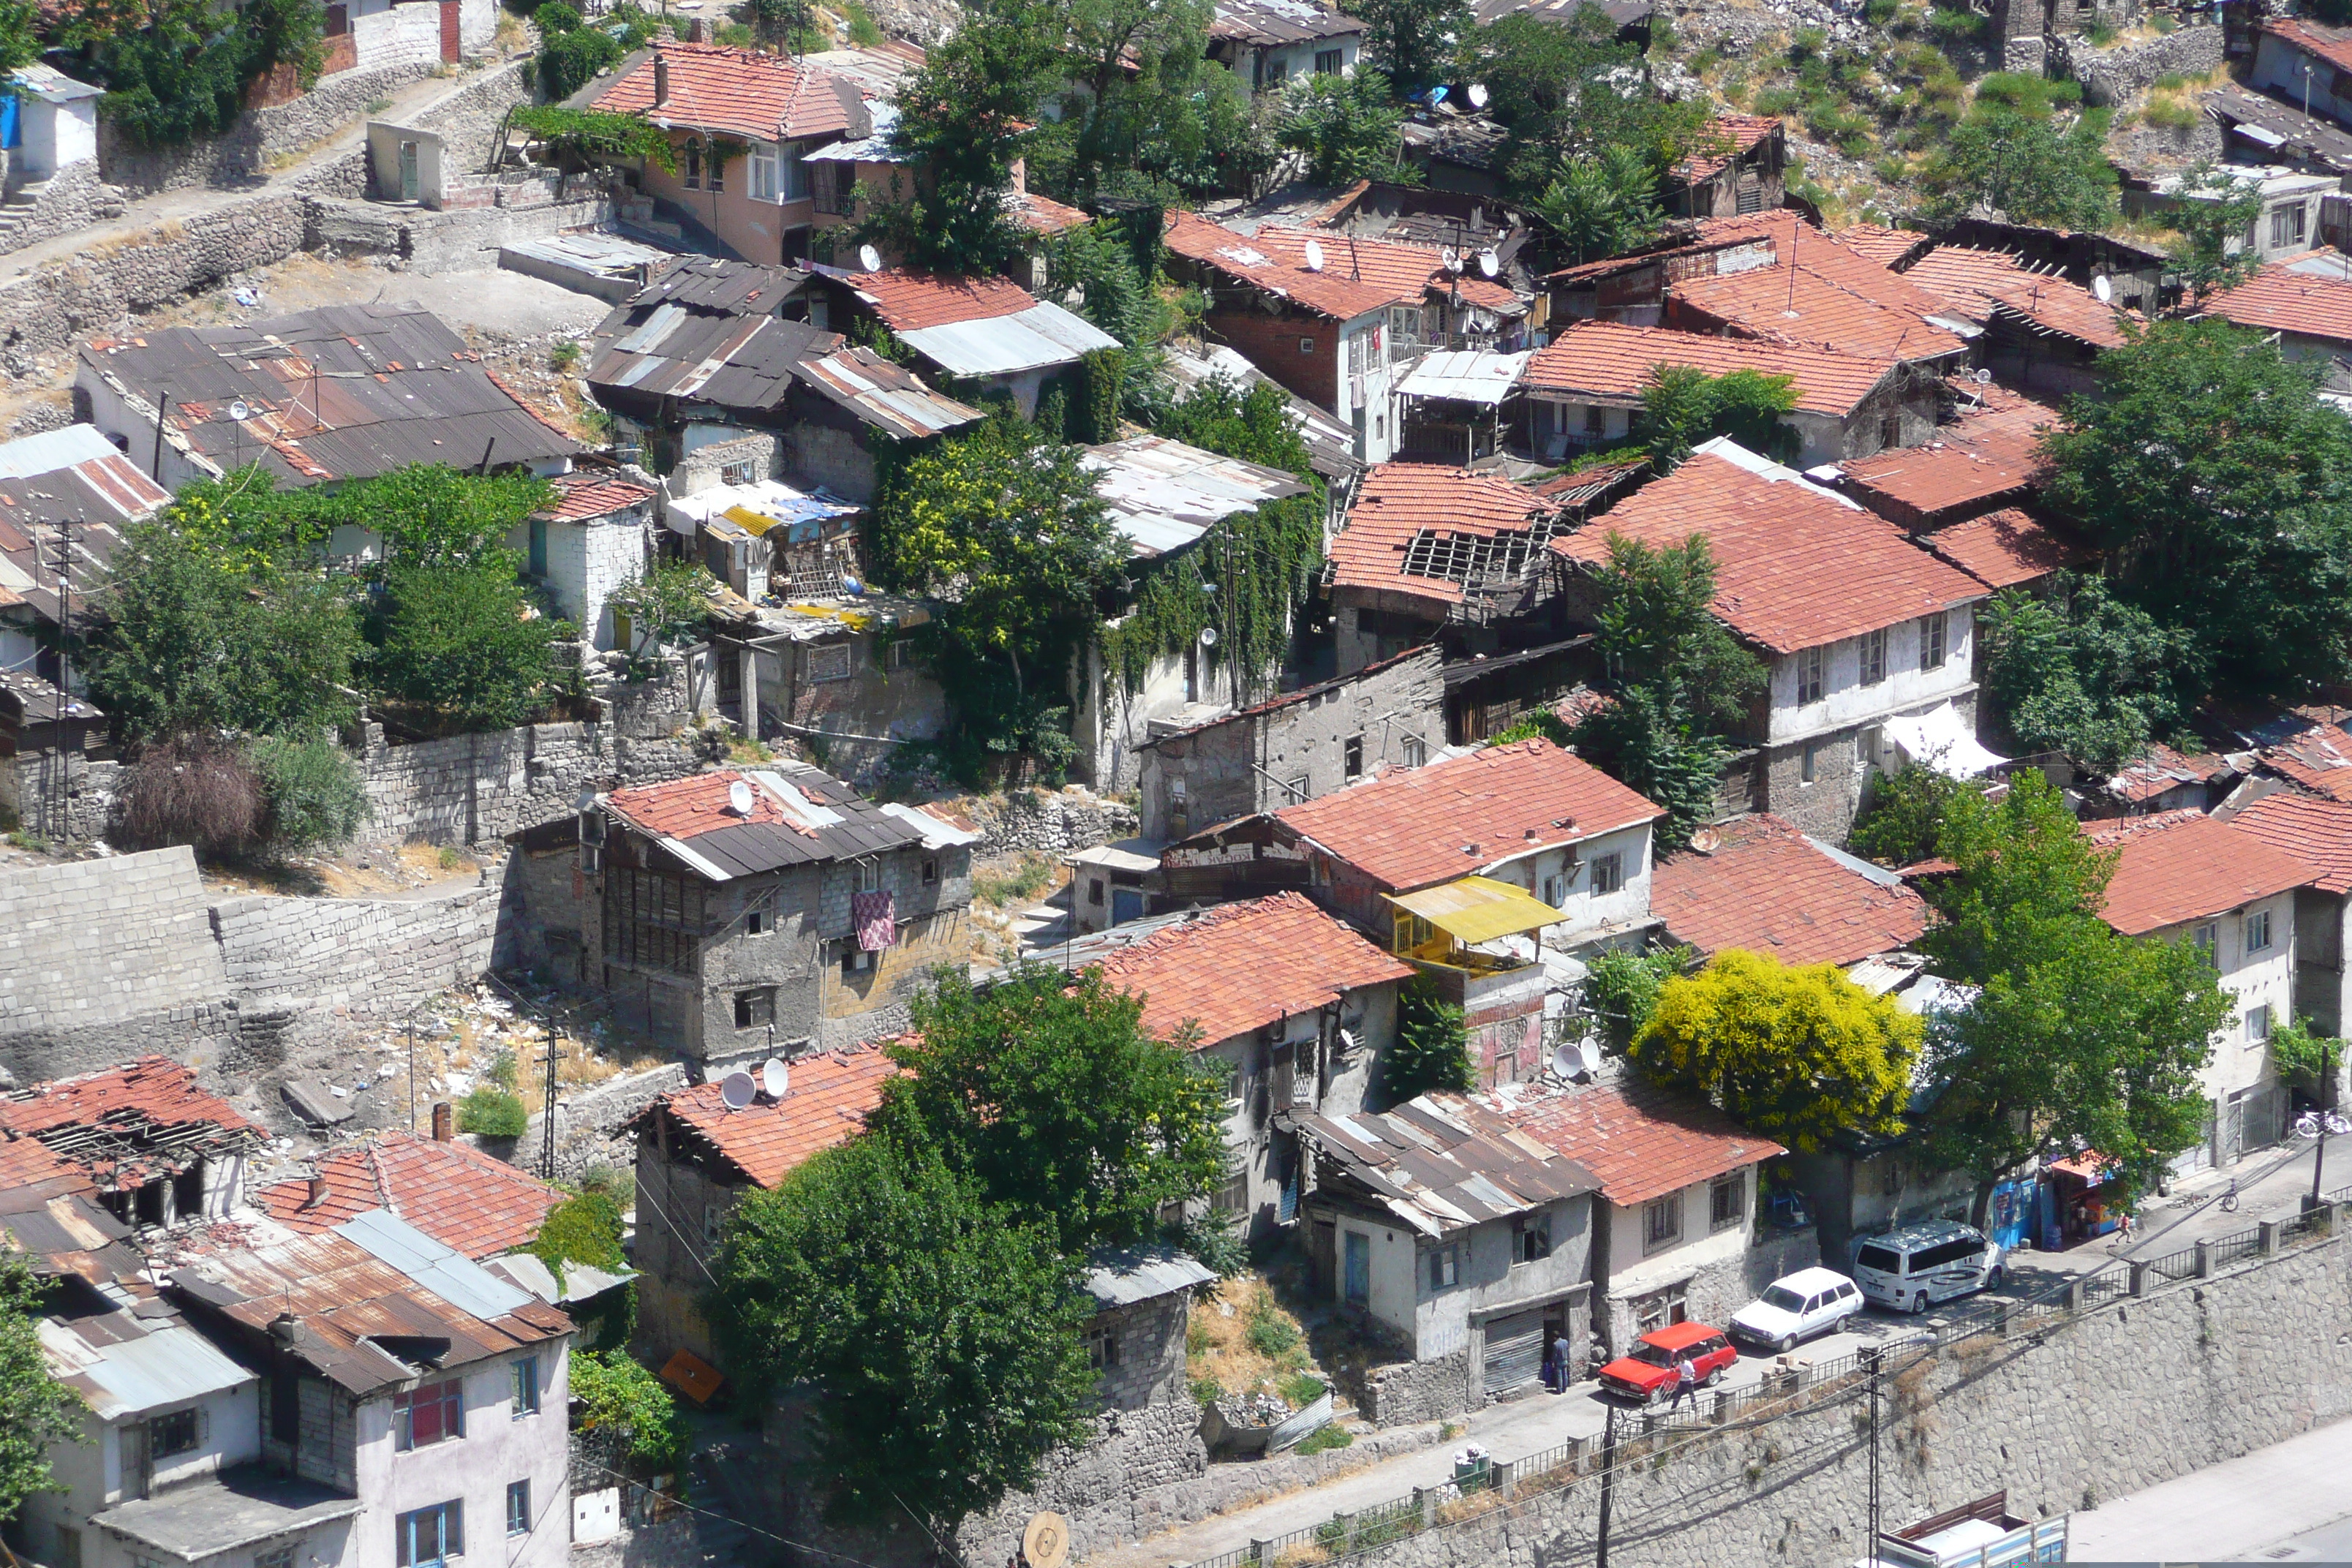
(452, 1192)
(1796, 567)
(1238, 967)
(2281, 299)
(1767, 888)
(2312, 830)
(1358, 276)
(1639, 1141)
(1991, 452)
(1974, 282)
(1839, 301)
(2179, 865)
(2004, 548)
(909, 301)
(1611, 360)
(826, 1101)
(2320, 759)
(1454, 818)
(1398, 500)
(738, 92)
(697, 804)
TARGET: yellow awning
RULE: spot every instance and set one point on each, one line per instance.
(1478, 908)
(756, 522)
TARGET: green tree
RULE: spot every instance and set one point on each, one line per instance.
(941, 1329)
(1137, 105)
(1603, 205)
(1345, 125)
(1801, 1055)
(20, 38)
(1901, 816)
(1621, 991)
(618, 1395)
(465, 642)
(669, 602)
(1571, 95)
(2027, 152)
(313, 792)
(1413, 41)
(786, 22)
(2078, 671)
(1682, 406)
(1432, 1049)
(2307, 1058)
(2214, 209)
(177, 72)
(36, 1409)
(2221, 486)
(1049, 1098)
(1253, 425)
(2023, 871)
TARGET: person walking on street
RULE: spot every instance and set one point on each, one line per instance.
(1686, 1383)
(1561, 1366)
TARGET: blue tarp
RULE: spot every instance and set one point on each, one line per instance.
(11, 121)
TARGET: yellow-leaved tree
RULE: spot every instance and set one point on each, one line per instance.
(1798, 1054)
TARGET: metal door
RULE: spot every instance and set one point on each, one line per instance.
(408, 180)
(1515, 1348)
(1359, 1268)
(1126, 904)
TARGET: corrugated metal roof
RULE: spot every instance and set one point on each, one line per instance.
(1466, 375)
(1044, 334)
(801, 816)
(585, 251)
(886, 396)
(1440, 1162)
(1164, 495)
(715, 284)
(874, 149)
(125, 1365)
(1132, 1274)
(443, 1270)
(53, 86)
(1269, 23)
(53, 449)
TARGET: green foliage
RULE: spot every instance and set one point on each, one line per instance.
(1048, 1096)
(2220, 485)
(1144, 112)
(1902, 815)
(1218, 416)
(182, 75)
(1603, 205)
(1433, 1047)
(587, 136)
(1270, 1332)
(1325, 1438)
(1573, 96)
(669, 602)
(1005, 527)
(1302, 1388)
(2081, 673)
(865, 32)
(311, 792)
(582, 1228)
(491, 1112)
(1801, 1055)
(1682, 406)
(1094, 417)
(1413, 41)
(2018, 154)
(36, 1411)
(2304, 1056)
(617, 1394)
(1620, 989)
(2214, 210)
(1261, 563)
(20, 34)
(1346, 126)
(556, 17)
(941, 1329)
(786, 21)
(464, 642)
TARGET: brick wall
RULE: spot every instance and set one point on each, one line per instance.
(1271, 343)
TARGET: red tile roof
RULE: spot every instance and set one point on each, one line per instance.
(740, 92)
(452, 1192)
(2333, 45)
(2312, 831)
(1639, 1141)
(1796, 567)
(1398, 501)
(1609, 359)
(1044, 214)
(827, 1101)
(1713, 234)
(1456, 818)
(2320, 759)
(145, 1102)
(1991, 451)
(1973, 282)
(2182, 866)
(1239, 967)
(1358, 275)
(909, 301)
(593, 492)
(1872, 242)
(1839, 301)
(1734, 134)
(2004, 548)
(2164, 770)
(2279, 299)
(698, 803)
(1767, 888)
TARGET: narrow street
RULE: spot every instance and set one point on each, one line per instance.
(2304, 1512)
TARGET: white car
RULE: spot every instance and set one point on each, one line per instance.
(1808, 1302)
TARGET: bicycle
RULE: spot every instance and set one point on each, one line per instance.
(2229, 1198)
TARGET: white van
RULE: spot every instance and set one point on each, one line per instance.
(1907, 1269)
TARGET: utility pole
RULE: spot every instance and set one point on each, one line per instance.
(64, 785)
(1608, 1480)
(547, 1117)
(1873, 1357)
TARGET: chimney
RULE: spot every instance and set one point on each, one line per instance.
(661, 79)
(318, 1193)
(443, 1129)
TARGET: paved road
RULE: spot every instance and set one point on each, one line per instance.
(2305, 1513)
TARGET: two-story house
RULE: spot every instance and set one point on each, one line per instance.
(1297, 1011)
(1673, 1239)
(1268, 42)
(1465, 1249)
(1739, 167)
(2314, 831)
(989, 333)
(738, 915)
(2304, 306)
(2186, 876)
(1860, 627)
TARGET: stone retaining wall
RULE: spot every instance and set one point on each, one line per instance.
(70, 200)
(1053, 822)
(590, 1126)
(242, 155)
(353, 957)
(468, 118)
(2117, 76)
(1406, 1393)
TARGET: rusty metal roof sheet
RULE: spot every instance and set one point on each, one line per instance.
(799, 817)
(1164, 495)
(890, 397)
(1440, 1162)
(123, 1364)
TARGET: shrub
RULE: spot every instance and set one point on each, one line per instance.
(564, 356)
(313, 792)
(1302, 1389)
(1957, 27)
(1270, 1333)
(195, 790)
(582, 1228)
(491, 1112)
(616, 1393)
(1878, 13)
(1325, 1438)
(1432, 1049)
(555, 17)
(569, 60)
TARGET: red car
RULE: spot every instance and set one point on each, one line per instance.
(1648, 1373)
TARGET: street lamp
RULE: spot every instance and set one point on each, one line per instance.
(2322, 1125)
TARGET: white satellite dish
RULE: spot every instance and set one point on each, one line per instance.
(1565, 1061)
(239, 412)
(1208, 637)
(1478, 95)
(869, 258)
(1314, 257)
(1489, 263)
(775, 1077)
(738, 798)
(738, 1089)
(1984, 378)
(1588, 1053)
(2103, 289)
(1451, 258)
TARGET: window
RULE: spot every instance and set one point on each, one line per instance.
(689, 173)
(755, 1009)
(1808, 676)
(518, 1507)
(285, 1407)
(283, 1557)
(1873, 656)
(2208, 936)
(430, 1415)
(1807, 765)
(831, 186)
(931, 872)
(763, 171)
(1412, 750)
(756, 922)
(1300, 789)
(2258, 1024)
(735, 474)
(173, 1434)
(1608, 872)
(1352, 757)
(1890, 1178)
(1412, 932)
(1555, 889)
(869, 875)
(1404, 326)
(1095, 891)
(525, 1385)
(1102, 1349)
(1890, 431)
(1726, 1203)
(855, 960)
(1326, 62)
(1931, 642)
(1306, 345)
(1596, 419)
(1532, 1239)
(535, 562)
(1660, 1309)
(1180, 810)
(2258, 931)
(1232, 1195)
(828, 661)
(796, 243)
(430, 1536)
(1277, 72)
(714, 1224)
(1662, 1222)
(2286, 227)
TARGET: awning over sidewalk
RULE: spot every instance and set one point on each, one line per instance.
(1479, 909)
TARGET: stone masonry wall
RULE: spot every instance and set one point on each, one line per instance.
(468, 118)
(1135, 1453)
(589, 1127)
(1413, 1390)
(1051, 822)
(2059, 1412)
(243, 155)
(70, 200)
(354, 957)
(2117, 76)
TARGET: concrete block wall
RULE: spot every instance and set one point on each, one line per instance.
(401, 35)
(355, 957)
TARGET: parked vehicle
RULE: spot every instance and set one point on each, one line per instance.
(1909, 1269)
(1981, 1535)
(1647, 1372)
(1808, 1302)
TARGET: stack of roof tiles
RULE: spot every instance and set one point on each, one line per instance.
(826, 1100)
(452, 1192)
(1766, 887)
(1238, 967)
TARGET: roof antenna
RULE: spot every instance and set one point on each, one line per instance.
(1793, 228)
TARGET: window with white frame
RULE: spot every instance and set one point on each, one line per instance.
(1608, 872)
(795, 179)
(828, 661)
(1931, 642)
(763, 171)
(2258, 1024)
(2258, 931)
(1404, 328)
(2286, 227)
(1873, 656)
(1662, 1222)
(1810, 668)
(1555, 889)
(1412, 750)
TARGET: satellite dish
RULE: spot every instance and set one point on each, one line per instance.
(1314, 257)
(1706, 840)
(1984, 378)
(869, 258)
(737, 1090)
(239, 412)
(1587, 1053)
(1451, 258)
(775, 1077)
(1489, 263)
(1478, 95)
(1046, 1543)
(738, 798)
(1565, 1061)
(2103, 289)
(1208, 637)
